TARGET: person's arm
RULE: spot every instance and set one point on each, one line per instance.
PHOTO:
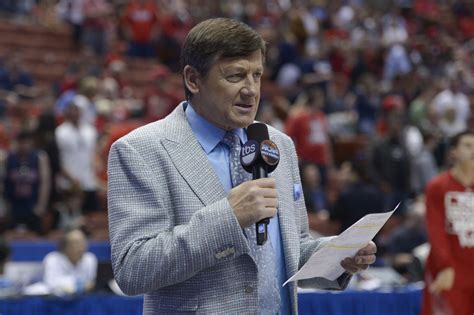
(90, 271)
(124, 20)
(6, 181)
(438, 238)
(149, 251)
(45, 183)
(328, 150)
(435, 223)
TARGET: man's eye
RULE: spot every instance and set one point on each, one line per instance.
(258, 75)
(235, 77)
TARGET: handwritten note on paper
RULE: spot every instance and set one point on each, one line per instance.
(326, 261)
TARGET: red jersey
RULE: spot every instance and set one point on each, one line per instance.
(450, 224)
(309, 131)
(142, 19)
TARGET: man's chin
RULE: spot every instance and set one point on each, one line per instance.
(243, 122)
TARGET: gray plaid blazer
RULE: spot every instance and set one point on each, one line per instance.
(174, 236)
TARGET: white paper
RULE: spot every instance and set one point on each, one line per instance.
(326, 261)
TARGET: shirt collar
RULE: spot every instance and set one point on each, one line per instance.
(207, 133)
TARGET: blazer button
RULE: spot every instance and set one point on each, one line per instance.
(248, 289)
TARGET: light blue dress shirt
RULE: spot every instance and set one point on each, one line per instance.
(210, 136)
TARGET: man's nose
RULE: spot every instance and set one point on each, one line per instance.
(251, 88)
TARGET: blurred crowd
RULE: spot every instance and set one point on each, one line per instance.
(370, 91)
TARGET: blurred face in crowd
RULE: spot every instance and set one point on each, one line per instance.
(450, 114)
(312, 176)
(72, 113)
(25, 145)
(75, 246)
(395, 121)
(316, 99)
(229, 95)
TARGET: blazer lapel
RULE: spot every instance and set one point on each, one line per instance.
(190, 160)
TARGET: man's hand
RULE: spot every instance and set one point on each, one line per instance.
(254, 200)
(361, 261)
(443, 281)
(39, 210)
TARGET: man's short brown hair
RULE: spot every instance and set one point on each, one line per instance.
(218, 38)
(454, 141)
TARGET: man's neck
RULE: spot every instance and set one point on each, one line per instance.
(463, 174)
(74, 123)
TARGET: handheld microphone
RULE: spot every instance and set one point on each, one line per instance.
(259, 156)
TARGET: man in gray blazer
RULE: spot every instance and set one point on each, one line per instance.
(177, 223)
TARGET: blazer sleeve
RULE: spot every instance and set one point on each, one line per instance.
(148, 251)
(308, 245)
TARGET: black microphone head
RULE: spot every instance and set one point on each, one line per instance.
(259, 151)
(258, 132)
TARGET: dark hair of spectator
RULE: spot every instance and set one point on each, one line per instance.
(46, 122)
(24, 135)
(218, 38)
(456, 138)
(359, 165)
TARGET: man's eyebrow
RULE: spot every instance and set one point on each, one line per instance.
(238, 68)
(233, 68)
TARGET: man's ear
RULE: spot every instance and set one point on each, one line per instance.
(191, 79)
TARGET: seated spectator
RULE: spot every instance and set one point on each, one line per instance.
(17, 7)
(71, 269)
(15, 78)
(27, 183)
(316, 201)
(361, 197)
(8, 287)
(313, 192)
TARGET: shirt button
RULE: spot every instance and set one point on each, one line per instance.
(248, 289)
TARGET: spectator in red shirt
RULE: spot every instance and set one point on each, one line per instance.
(141, 27)
(97, 15)
(309, 130)
(450, 222)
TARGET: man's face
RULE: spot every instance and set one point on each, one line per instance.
(25, 146)
(229, 95)
(73, 113)
(464, 151)
(76, 246)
